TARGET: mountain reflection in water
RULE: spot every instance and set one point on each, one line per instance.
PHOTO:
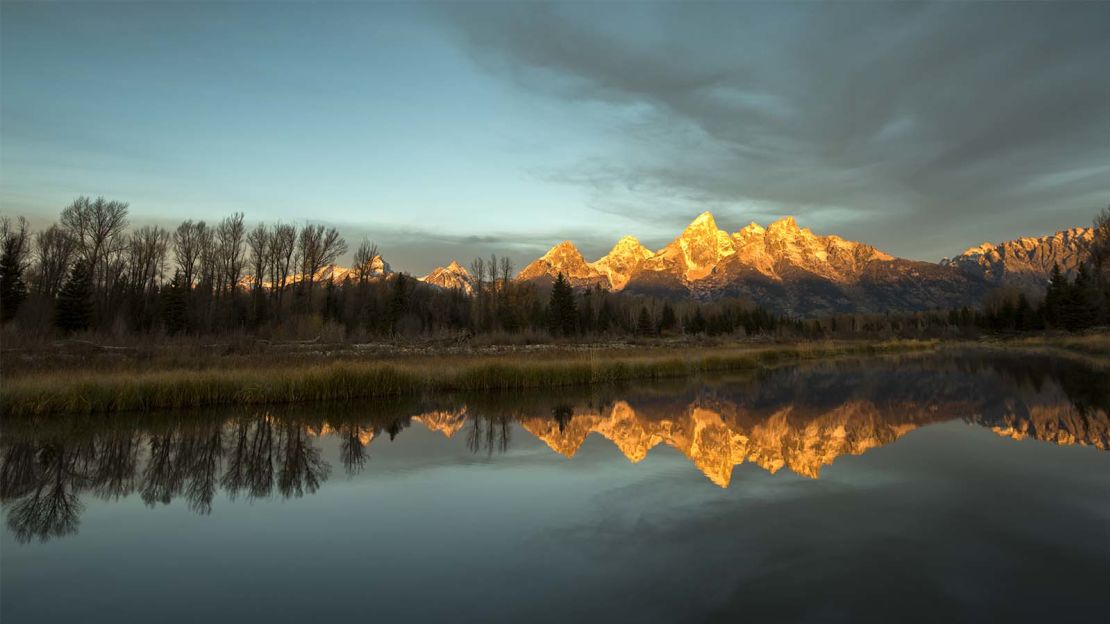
(800, 418)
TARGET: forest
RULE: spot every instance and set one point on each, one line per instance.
(90, 274)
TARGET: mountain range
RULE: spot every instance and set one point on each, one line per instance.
(1026, 262)
(790, 270)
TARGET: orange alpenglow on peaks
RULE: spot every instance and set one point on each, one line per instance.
(701, 249)
(789, 270)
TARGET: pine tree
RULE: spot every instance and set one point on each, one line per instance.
(13, 290)
(562, 317)
(1023, 314)
(74, 312)
(331, 300)
(1081, 307)
(1054, 297)
(696, 324)
(644, 326)
(667, 320)
(398, 303)
(174, 305)
(605, 316)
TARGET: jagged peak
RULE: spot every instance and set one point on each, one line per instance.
(752, 228)
(785, 224)
(629, 245)
(563, 247)
(704, 221)
(703, 217)
(982, 248)
(455, 267)
(563, 258)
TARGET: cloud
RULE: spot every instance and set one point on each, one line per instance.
(988, 117)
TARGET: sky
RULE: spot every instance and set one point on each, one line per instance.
(446, 131)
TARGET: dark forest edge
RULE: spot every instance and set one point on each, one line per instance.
(88, 277)
(91, 324)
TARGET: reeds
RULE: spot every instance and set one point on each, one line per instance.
(118, 391)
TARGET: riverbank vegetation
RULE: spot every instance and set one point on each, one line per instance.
(92, 392)
(99, 318)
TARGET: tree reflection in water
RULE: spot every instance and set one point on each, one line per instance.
(800, 418)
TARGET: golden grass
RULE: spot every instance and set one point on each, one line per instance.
(121, 391)
(1090, 343)
(1091, 348)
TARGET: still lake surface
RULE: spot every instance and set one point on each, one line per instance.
(954, 487)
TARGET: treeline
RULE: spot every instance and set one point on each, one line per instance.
(1075, 304)
(1069, 305)
(89, 272)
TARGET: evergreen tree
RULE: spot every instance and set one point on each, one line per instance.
(331, 300)
(1081, 305)
(1054, 297)
(398, 302)
(605, 317)
(644, 326)
(174, 305)
(74, 312)
(696, 324)
(1023, 314)
(562, 316)
(13, 290)
(667, 320)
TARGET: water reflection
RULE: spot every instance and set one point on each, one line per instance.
(801, 419)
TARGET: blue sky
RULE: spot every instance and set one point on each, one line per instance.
(446, 131)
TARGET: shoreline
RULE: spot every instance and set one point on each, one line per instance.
(239, 381)
(85, 392)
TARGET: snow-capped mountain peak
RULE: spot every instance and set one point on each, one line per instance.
(622, 261)
(452, 276)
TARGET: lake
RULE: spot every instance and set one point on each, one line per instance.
(936, 487)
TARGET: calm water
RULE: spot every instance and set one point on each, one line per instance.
(923, 488)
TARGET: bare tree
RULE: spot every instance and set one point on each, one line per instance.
(364, 260)
(97, 226)
(146, 253)
(20, 235)
(229, 245)
(54, 250)
(209, 271)
(493, 287)
(318, 247)
(283, 243)
(188, 241)
(478, 272)
(332, 247)
(258, 242)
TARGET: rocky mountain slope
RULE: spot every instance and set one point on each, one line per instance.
(1026, 262)
(452, 276)
(783, 267)
(787, 269)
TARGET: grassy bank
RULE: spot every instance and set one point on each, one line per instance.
(1091, 348)
(175, 388)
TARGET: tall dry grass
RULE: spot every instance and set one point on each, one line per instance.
(91, 392)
